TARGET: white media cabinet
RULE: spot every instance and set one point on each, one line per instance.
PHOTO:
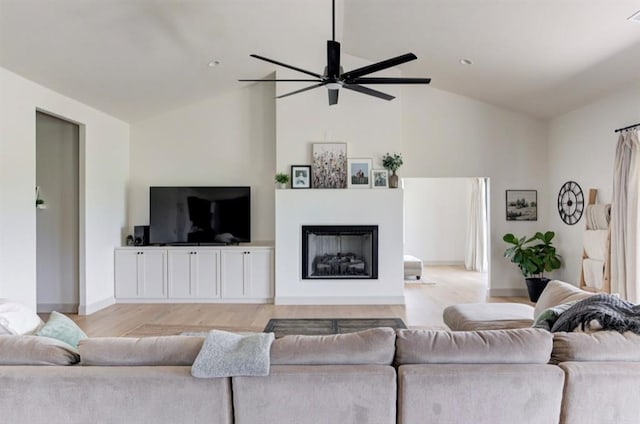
(195, 274)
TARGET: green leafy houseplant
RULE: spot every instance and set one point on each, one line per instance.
(392, 162)
(282, 178)
(534, 256)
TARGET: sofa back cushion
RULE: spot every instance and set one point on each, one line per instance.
(375, 346)
(556, 293)
(34, 350)
(145, 351)
(598, 346)
(520, 346)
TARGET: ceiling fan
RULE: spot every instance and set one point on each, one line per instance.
(334, 78)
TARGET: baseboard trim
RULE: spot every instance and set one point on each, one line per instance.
(67, 308)
(342, 300)
(96, 306)
(169, 301)
(508, 293)
(443, 263)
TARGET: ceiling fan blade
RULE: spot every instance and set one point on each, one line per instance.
(301, 90)
(275, 62)
(369, 91)
(365, 80)
(369, 69)
(281, 80)
(333, 59)
(333, 97)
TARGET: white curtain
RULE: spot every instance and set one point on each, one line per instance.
(625, 218)
(476, 252)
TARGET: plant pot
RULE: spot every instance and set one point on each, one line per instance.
(282, 186)
(535, 286)
(393, 180)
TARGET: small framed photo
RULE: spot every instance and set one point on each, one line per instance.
(359, 171)
(300, 176)
(522, 205)
(379, 178)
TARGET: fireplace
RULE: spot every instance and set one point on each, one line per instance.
(331, 252)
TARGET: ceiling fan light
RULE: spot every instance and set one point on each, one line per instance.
(333, 85)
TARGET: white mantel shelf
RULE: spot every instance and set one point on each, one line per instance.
(297, 207)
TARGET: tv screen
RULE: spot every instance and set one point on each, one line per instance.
(199, 215)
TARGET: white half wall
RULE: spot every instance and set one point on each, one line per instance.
(104, 168)
(295, 208)
(436, 215)
(582, 147)
(228, 140)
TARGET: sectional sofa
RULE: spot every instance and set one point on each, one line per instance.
(374, 376)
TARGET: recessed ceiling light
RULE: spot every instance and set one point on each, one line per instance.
(635, 17)
(466, 62)
(213, 63)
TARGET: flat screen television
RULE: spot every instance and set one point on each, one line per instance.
(199, 215)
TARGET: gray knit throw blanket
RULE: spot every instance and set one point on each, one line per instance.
(610, 311)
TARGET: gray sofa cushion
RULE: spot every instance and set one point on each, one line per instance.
(598, 346)
(313, 394)
(557, 293)
(601, 393)
(520, 346)
(34, 350)
(375, 346)
(145, 351)
(487, 316)
(112, 395)
(479, 394)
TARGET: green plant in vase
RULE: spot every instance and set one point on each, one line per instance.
(392, 163)
(282, 179)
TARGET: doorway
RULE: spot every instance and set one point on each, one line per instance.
(57, 214)
(447, 227)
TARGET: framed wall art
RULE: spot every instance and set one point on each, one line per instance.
(379, 178)
(329, 165)
(300, 176)
(522, 205)
(359, 173)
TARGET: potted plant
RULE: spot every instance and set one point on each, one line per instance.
(282, 179)
(392, 163)
(534, 256)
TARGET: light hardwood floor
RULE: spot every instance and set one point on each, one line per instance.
(424, 306)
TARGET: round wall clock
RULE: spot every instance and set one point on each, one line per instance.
(570, 202)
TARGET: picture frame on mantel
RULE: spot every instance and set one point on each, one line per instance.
(359, 172)
(522, 205)
(300, 176)
(329, 165)
(379, 178)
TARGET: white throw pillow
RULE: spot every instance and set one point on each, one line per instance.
(17, 319)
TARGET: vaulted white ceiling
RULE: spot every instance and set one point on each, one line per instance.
(137, 58)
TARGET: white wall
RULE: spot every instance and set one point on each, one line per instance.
(370, 126)
(104, 163)
(228, 140)
(57, 226)
(582, 146)
(436, 213)
(448, 135)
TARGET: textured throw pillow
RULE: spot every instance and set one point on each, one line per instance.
(62, 328)
(17, 319)
(226, 354)
(556, 293)
(32, 350)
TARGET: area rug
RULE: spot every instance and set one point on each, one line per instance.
(322, 326)
(154, 330)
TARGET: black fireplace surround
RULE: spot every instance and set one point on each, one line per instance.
(339, 252)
